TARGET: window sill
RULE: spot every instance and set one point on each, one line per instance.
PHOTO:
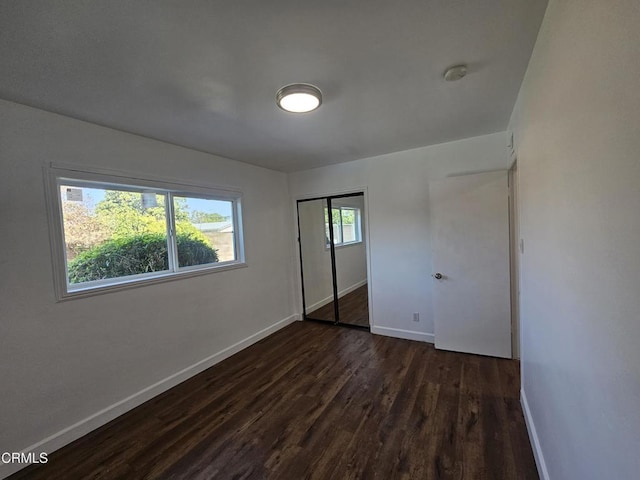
(343, 245)
(138, 282)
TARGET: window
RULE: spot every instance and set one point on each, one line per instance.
(347, 228)
(114, 231)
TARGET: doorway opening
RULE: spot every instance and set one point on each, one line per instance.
(333, 260)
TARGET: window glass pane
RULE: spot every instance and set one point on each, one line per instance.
(337, 227)
(204, 230)
(111, 233)
(349, 225)
(327, 235)
(337, 231)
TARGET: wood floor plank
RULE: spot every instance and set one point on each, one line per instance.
(318, 402)
(469, 432)
(128, 435)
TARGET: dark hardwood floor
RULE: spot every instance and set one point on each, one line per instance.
(353, 308)
(317, 402)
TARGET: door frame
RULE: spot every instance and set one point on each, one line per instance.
(297, 274)
(515, 260)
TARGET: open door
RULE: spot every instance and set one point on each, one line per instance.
(470, 219)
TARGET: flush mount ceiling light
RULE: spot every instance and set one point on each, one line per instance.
(299, 98)
(455, 73)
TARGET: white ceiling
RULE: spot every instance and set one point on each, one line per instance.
(204, 74)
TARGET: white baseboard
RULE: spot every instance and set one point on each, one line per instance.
(406, 334)
(353, 287)
(533, 437)
(341, 293)
(321, 303)
(77, 430)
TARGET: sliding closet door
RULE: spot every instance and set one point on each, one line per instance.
(348, 218)
(315, 254)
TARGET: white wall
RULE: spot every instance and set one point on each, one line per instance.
(398, 218)
(576, 127)
(63, 362)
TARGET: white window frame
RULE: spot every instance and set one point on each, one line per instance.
(55, 176)
(357, 226)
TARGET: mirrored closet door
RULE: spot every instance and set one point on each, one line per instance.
(333, 259)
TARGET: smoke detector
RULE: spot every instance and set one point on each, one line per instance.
(455, 73)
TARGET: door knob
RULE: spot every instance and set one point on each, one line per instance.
(438, 276)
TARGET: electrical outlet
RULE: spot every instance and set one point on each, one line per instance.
(416, 317)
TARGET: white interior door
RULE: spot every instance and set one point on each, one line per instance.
(470, 221)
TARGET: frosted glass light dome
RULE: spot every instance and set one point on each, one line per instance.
(299, 98)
